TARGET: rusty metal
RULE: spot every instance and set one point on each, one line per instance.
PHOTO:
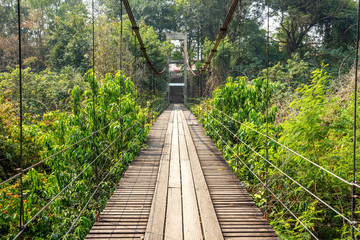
(220, 36)
(137, 32)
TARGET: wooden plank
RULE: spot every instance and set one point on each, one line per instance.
(180, 187)
(209, 219)
(191, 221)
(126, 213)
(155, 226)
(173, 226)
(237, 213)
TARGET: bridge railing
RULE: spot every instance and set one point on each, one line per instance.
(98, 165)
(109, 165)
(224, 123)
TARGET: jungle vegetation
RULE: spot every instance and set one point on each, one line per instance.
(311, 97)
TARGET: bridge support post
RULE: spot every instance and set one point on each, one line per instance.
(180, 37)
(185, 68)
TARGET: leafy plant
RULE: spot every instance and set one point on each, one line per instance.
(318, 126)
(121, 128)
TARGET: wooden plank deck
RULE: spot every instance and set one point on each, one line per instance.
(180, 187)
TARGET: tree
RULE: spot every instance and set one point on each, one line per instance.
(299, 18)
(69, 41)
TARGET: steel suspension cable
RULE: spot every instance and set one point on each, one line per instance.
(240, 14)
(267, 98)
(137, 32)
(220, 37)
(93, 194)
(272, 193)
(121, 35)
(121, 68)
(61, 151)
(221, 34)
(353, 202)
(289, 149)
(65, 188)
(93, 98)
(21, 215)
(135, 41)
(285, 174)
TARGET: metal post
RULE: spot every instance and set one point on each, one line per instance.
(353, 204)
(267, 105)
(121, 34)
(185, 68)
(121, 68)
(21, 216)
(94, 112)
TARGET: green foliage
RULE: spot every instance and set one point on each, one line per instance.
(161, 15)
(69, 42)
(124, 126)
(299, 18)
(134, 64)
(318, 126)
(42, 92)
(292, 74)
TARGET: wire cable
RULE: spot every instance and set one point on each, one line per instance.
(61, 151)
(285, 174)
(93, 94)
(267, 94)
(66, 187)
(137, 32)
(272, 193)
(220, 36)
(93, 194)
(21, 215)
(101, 170)
(353, 202)
(289, 149)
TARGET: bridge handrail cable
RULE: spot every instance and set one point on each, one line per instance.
(61, 151)
(135, 27)
(66, 187)
(277, 198)
(93, 194)
(287, 148)
(102, 168)
(285, 174)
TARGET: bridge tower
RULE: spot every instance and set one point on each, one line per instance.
(177, 88)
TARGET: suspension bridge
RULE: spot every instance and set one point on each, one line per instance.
(180, 186)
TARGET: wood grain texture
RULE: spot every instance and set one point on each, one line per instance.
(191, 222)
(211, 227)
(156, 221)
(238, 216)
(180, 187)
(173, 225)
(127, 211)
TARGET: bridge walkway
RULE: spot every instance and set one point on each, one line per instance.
(180, 187)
